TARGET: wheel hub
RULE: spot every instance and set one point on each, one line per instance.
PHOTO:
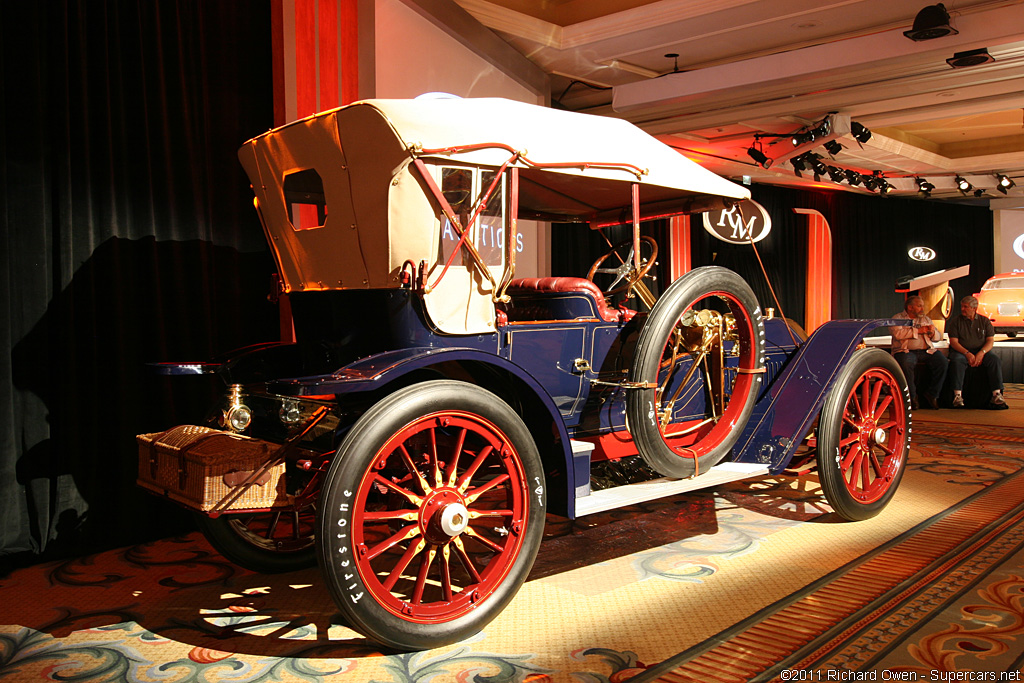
(454, 519)
(443, 516)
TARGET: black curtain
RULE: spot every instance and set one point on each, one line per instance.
(871, 236)
(128, 236)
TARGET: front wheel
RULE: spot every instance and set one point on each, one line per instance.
(431, 515)
(864, 435)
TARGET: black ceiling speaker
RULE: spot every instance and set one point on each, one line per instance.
(930, 23)
(959, 60)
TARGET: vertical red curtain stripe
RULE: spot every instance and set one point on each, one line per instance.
(305, 58)
(818, 302)
(327, 47)
(679, 239)
(349, 51)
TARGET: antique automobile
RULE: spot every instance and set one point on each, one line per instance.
(1001, 299)
(434, 408)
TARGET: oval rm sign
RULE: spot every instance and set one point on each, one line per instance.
(746, 222)
(921, 253)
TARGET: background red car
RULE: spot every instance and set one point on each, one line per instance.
(1001, 299)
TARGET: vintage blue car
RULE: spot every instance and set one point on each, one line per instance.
(434, 408)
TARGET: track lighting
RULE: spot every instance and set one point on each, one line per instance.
(924, 188)
(963, 185)
(803, 138)
(930, 23)
(859, 132)
(799, 165)
(833, 147)
(1003, 183)
(758, 155)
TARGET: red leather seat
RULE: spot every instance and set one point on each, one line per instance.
(568, 285)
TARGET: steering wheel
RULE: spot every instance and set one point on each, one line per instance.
(625, 270)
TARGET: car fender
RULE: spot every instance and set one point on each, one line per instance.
(784, 414)
(376, 371)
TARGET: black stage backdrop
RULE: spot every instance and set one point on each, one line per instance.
(871, 236)
(128, 235)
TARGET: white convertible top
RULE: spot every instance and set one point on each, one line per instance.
(548, 136)
(344, 207)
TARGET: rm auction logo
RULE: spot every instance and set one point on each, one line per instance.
(921, 253)
(745, 222)
(1018, 246)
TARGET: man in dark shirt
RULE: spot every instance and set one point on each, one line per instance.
(970, 340)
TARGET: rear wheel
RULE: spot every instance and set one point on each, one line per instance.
(864, 435)
(698, 364)
(432, 514)
(268, 542)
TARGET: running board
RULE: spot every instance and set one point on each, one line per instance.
(632, 494)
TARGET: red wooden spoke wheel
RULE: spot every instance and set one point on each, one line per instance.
(686, 420)
(433, 514)
(439, 516)
(269, 542)
(864, 435)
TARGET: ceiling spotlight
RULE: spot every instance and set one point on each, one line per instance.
(963, 185)
(836, 174)
(853, 177)
(859, 132)
(818, 167)
(882, 183)
(960, 60)
(799, 165)
(979, 193)
(1003, 183)
(759, 157)
(930, 23)
(833, 147)
(924, 188)
(803, 138)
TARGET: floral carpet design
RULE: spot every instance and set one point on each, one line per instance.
(740, 584)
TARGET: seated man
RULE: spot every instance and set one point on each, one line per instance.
(911, 345)
(970, 339)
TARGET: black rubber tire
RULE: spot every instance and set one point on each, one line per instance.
(893, 416)
(641, 418)
(383, 613)
(230, 537)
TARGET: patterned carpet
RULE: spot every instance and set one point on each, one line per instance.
(752, 581)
